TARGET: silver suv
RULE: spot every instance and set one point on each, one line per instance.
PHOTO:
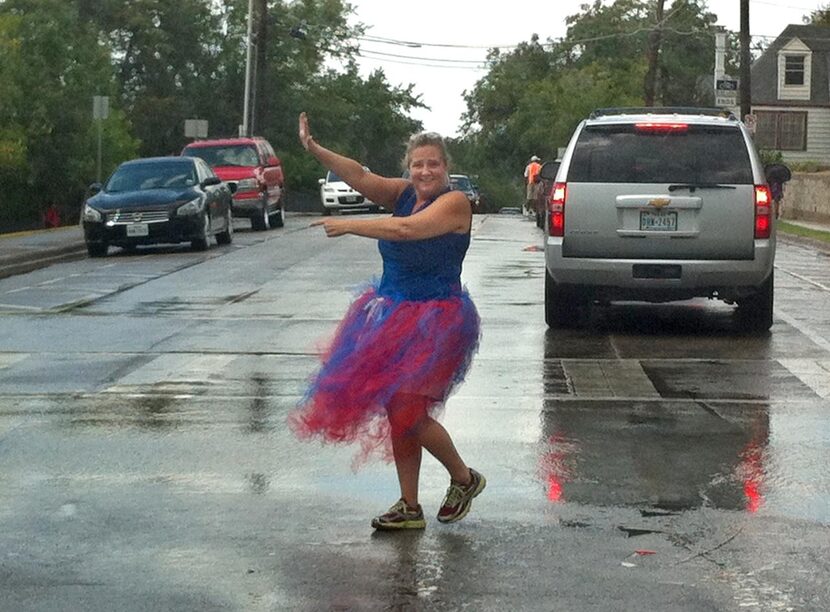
(659, 204)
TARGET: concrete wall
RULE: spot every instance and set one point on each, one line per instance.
(807, 197)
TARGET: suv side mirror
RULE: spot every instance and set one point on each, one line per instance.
(273, 161)
(549, 170)
(321, 181)
(95, 188)
(211, 180)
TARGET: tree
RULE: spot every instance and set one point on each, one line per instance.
(532, 98)
(52, 65)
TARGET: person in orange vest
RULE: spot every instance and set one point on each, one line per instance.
(531, 174)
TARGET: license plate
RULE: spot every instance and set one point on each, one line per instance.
(138, 229)
(658, 220)
(350, 199)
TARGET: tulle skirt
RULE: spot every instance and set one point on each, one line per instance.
(384, 347)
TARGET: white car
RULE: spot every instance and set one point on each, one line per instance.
(337, 195)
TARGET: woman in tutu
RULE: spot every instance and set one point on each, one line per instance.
(407, 341)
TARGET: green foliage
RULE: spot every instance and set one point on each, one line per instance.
(532, 99)
(52, 66)
(770, 156)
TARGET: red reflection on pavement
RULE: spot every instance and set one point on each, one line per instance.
(553, 466)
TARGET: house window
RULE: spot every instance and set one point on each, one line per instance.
(782, 131)
(794, 70)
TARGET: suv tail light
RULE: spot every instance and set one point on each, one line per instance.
(662, 128)
(763, 211)
(556, 209)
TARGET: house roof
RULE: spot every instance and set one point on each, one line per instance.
(765, 68)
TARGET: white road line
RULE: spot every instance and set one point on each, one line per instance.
(175, 369)
(7, 359)
(804, 278)
(805, 329)
(622, 378)
(813, 373)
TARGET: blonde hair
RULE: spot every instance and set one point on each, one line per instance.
(425, 139)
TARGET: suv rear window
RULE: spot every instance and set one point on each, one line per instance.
(621, 154)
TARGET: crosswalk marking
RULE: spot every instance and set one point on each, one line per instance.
(812, 372)
(175, 369)
(609, 378)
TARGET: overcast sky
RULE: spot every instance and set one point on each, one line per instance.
(459, 32)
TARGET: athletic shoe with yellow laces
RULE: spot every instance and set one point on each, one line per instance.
(459, 497)
(400, 516)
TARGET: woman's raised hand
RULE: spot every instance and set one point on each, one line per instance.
(305, 133)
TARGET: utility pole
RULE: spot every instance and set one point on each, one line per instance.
(746, 84)
(245, 128)
(653, 54)
(259, 101)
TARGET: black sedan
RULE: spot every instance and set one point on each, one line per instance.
(158, 200)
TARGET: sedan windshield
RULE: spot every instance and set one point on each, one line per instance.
(461, 183)
(138, 177)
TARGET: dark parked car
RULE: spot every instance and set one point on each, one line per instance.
(462, 182)
(158, 200)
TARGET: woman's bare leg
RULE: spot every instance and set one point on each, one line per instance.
(435, 438)
(412, 429)
(406, 448)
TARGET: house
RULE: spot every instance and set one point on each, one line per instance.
(791, 94)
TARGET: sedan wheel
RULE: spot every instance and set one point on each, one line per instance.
(201, 243)
(97, 249)
(226, 236)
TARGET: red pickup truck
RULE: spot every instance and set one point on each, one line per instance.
(252, 164)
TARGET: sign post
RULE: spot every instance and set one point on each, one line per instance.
(726, 92)
(100, 111)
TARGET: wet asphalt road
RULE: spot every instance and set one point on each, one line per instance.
(658, 458)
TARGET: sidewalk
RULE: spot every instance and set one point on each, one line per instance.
(26, 251)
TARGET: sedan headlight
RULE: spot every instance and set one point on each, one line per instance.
(248, 184)
(194, 207)
(91, 215)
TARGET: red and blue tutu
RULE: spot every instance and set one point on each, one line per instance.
(386, 345)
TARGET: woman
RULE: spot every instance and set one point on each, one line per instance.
(407, 341)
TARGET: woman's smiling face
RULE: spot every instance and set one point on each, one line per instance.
(428, 171)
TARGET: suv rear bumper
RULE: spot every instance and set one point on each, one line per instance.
(660, 279)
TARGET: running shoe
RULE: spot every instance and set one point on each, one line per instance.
(459, 497)
(400, 516)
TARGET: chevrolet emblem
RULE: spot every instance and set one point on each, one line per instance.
(659, 202)
(137, 216)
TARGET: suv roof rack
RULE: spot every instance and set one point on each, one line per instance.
(663, 110)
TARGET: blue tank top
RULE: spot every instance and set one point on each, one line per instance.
(426, 269)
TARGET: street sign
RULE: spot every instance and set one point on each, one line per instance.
(100, 107)
(195, 128)
(722, 85)
(726, 100)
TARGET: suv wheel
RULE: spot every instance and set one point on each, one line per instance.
(226, 236)
(755, 311)
(563, 308)
(97, 249)
(277, 219)
(262, 222)
(201, 243)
